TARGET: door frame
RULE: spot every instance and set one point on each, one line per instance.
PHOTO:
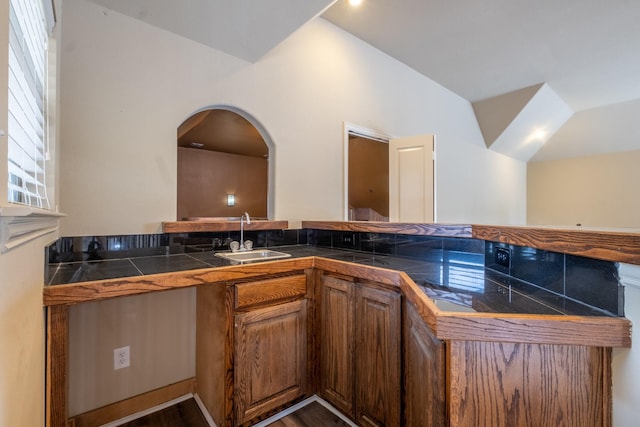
(353, 129)
(350, 128)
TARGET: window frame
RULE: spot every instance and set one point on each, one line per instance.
(20, 223)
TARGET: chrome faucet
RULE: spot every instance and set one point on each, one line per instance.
(242, 217)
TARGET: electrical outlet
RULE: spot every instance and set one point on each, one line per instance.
(121, 358)
(348, 240)
(503, 257)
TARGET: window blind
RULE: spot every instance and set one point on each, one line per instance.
(27, 100)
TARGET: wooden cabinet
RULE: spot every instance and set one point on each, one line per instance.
(424, 373)
(360, 363)
(378, 354)
(270, 358)
(252, 340)
(265, 344)
(337, 342)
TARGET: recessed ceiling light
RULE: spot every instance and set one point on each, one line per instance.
(539, 135)
(196, 144)
(355, 2)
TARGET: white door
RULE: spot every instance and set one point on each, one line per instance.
(411, 179)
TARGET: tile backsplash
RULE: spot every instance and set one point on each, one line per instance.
(588, 281)
(93, 248)
(585, 280)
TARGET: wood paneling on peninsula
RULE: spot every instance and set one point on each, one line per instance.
(502, 385)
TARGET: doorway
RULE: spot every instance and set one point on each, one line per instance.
(225, 166)
(368, 179)
(388, 179)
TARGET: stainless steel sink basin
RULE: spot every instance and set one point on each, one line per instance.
(252, 256)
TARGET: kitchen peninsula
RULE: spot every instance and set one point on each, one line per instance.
(468, 368)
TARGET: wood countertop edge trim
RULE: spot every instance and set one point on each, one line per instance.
(523, 328)
(418, 229)
(535, 329)
(615, 246)
(520, 328)
(81, 292)
(200, 226)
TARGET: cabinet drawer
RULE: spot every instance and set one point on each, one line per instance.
(270, 290)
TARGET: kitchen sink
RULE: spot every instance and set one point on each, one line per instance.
(252, 256)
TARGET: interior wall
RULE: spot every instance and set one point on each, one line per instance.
(157, 327)
(22, 335)
(625, 362)
(126, 89)
(206, 177)
(594, 191)
(369, 174)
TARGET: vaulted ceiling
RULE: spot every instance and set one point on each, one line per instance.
(586, 51)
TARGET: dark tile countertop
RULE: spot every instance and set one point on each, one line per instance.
(458, 283)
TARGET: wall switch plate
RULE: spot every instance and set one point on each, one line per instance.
(503, 257)
(121, 358)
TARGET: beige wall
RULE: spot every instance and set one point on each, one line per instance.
(126, 87)
(595, 191)
(22, 335)
(157, 327)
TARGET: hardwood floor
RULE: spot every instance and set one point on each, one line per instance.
(188, 414)
(312, 415)
(183, 414)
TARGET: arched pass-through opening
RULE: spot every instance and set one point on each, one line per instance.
(225, 165)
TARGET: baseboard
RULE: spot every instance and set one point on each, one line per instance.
(204, 410)
(133, 405)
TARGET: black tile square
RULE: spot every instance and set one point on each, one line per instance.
(593, 282)
(542, 268)
(461, 244)
(89, 271)
(166, 264)
(320, 237)
(426, 248)
(379, 243)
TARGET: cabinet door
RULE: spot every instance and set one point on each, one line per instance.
(378, 357)
(270, 363)
(424, 373)
(336, 343)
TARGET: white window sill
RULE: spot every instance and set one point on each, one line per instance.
(21, 224)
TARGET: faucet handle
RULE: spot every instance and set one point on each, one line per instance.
(248, 245)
